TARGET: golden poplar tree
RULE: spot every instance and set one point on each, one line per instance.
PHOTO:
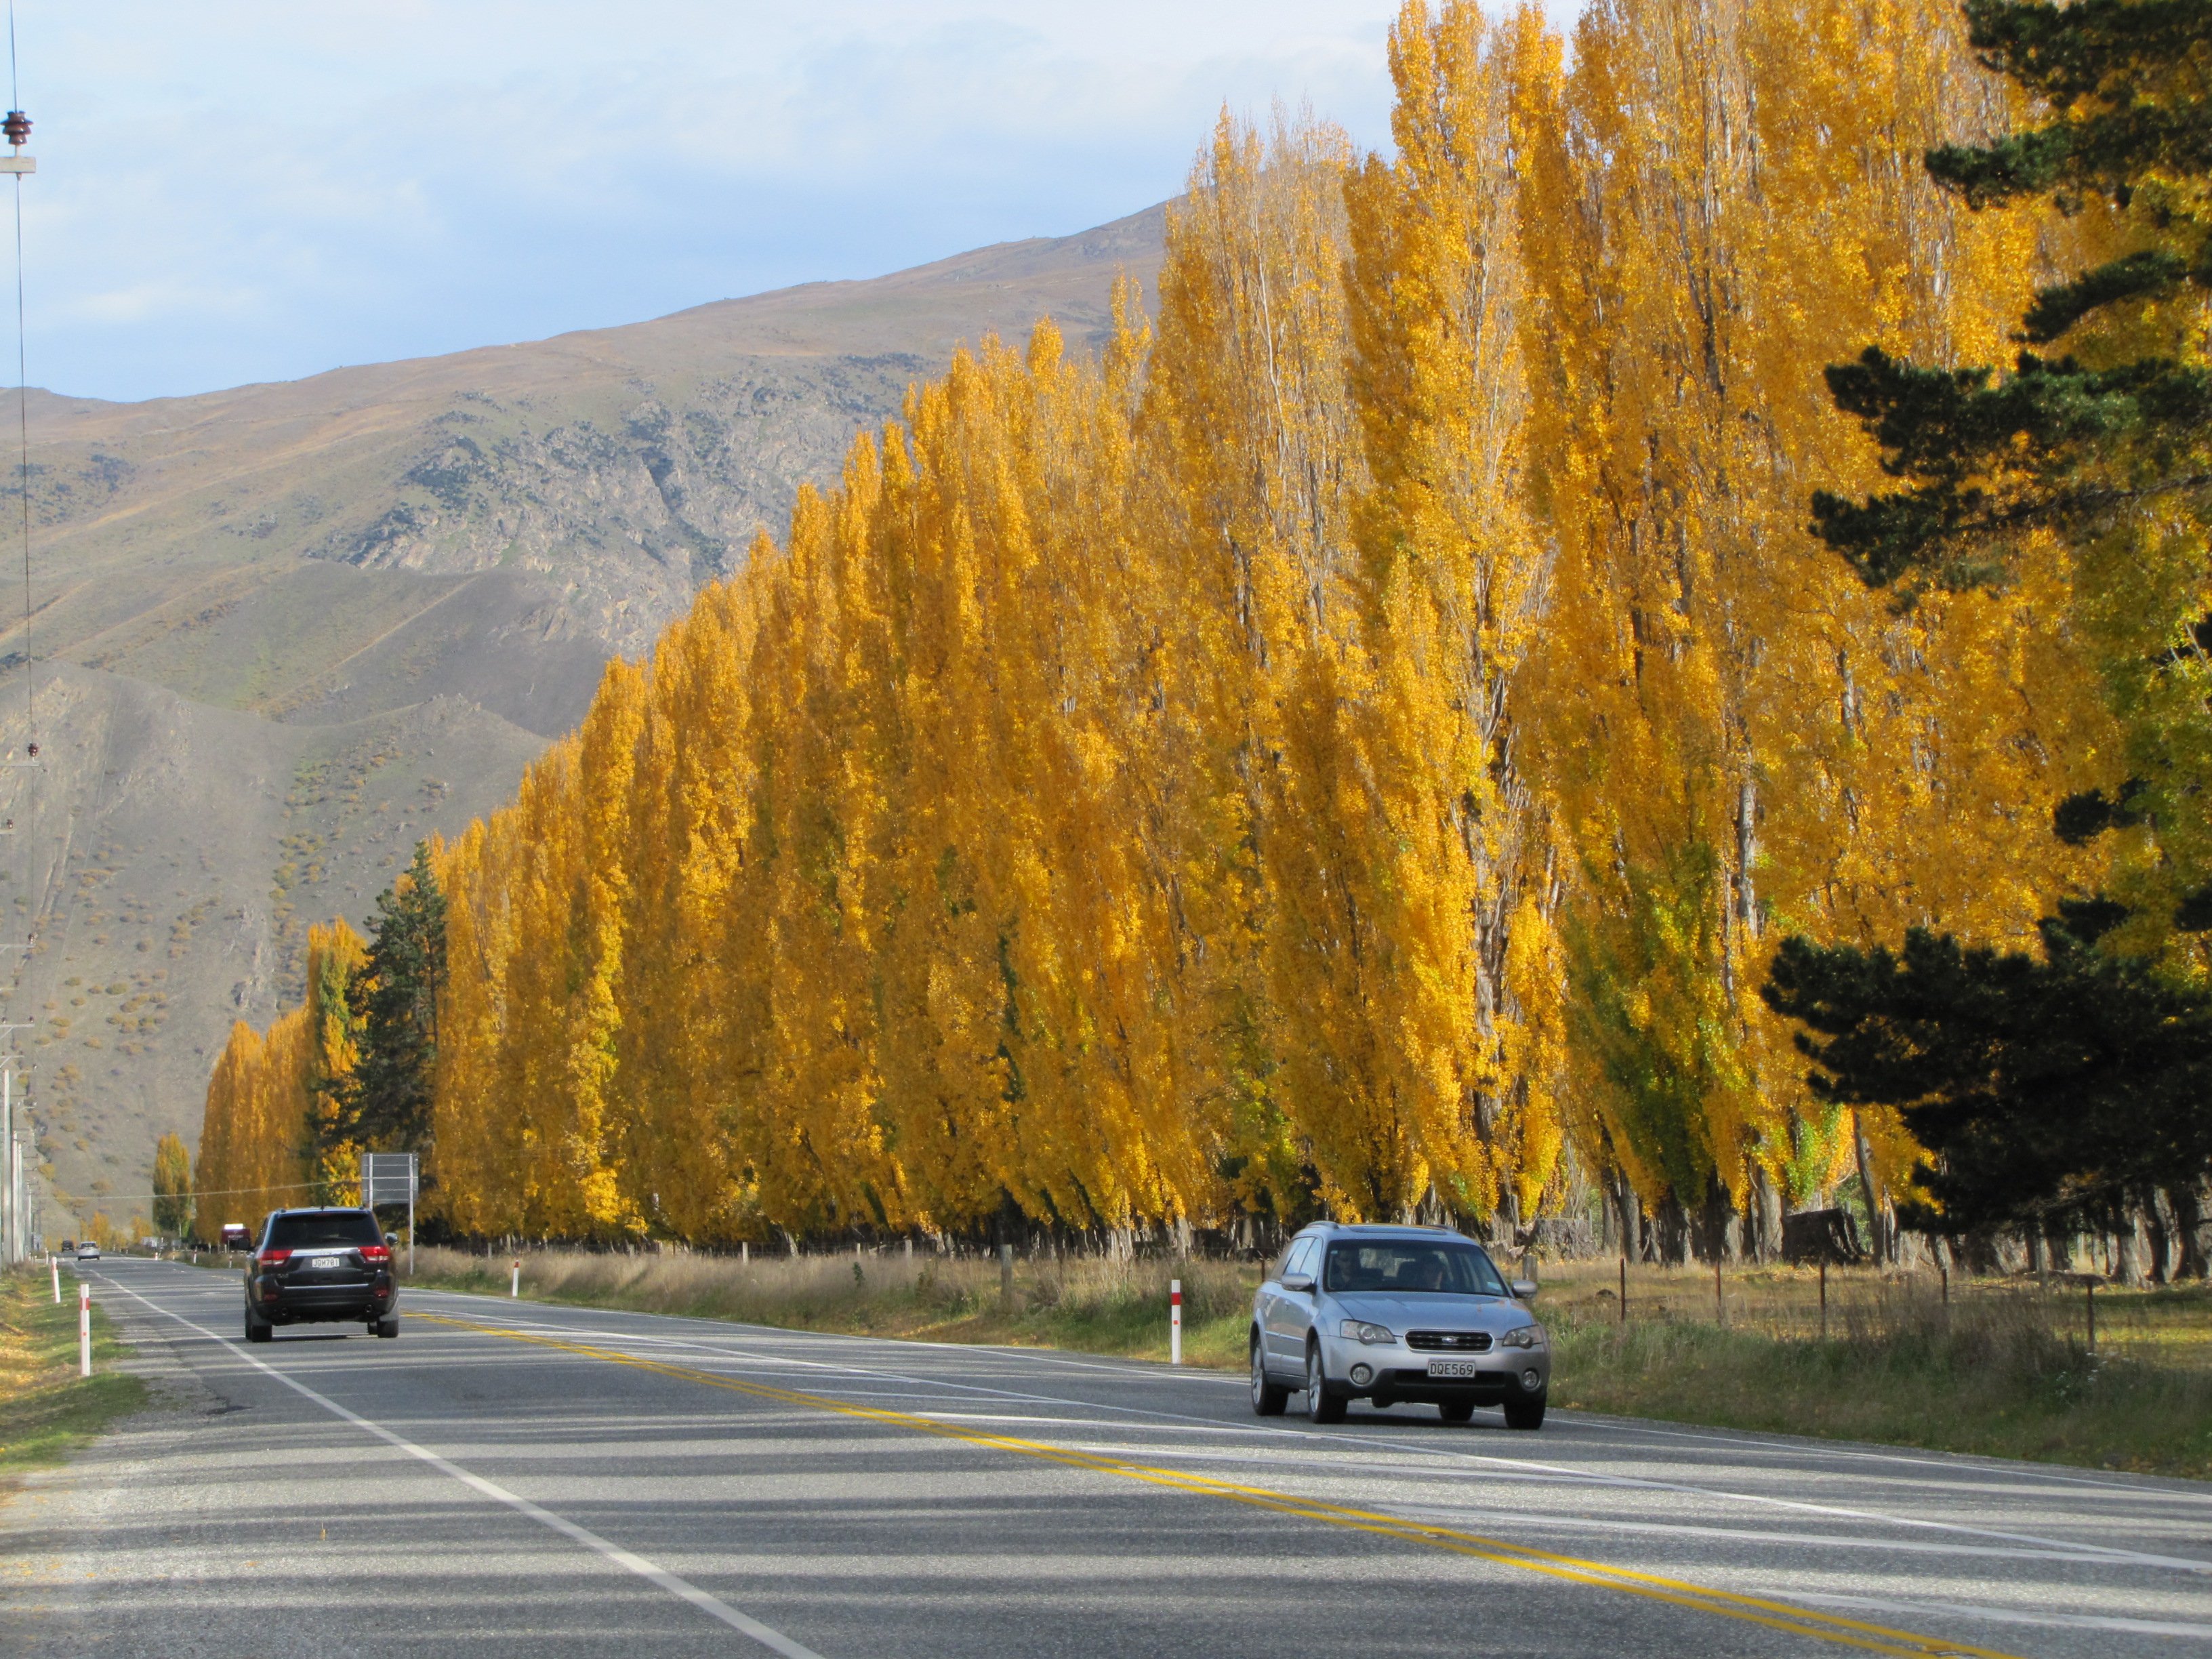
(1454, 585)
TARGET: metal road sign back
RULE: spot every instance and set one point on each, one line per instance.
(387, 1178)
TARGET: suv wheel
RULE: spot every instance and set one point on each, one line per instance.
(257, 1330)
(387, 1326)
(1524, 1414)
(1321, 1406)
(1268, 1398)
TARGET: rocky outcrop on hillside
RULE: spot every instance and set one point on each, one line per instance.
(628, 516)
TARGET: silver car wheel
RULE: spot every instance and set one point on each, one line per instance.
(1321, 1406)
(1268, 1396)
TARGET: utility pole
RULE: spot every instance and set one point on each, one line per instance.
(9, 1257)
(14, 1239)
(15, 1233)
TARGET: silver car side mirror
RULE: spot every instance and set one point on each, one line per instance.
(1525, 1289)
(1297, 1282)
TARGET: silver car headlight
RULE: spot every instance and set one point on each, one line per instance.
(1522, 1336)
(1358, 1330)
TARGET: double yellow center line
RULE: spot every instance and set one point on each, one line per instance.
(1751, 1609)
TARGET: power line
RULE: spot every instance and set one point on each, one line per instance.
(22, 385)
(99, 1199)
(13, 1202)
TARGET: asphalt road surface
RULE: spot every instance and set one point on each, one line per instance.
(511, 1479)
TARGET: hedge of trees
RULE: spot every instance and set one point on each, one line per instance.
(1356, 736)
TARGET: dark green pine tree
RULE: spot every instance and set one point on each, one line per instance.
(2063, 1092)
(387, 1101)
(2058, 442)
(2053, 1094)
(2108, 445)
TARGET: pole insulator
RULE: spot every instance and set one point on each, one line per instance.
(17, 127)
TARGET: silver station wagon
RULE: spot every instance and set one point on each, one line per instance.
(1391, 1314)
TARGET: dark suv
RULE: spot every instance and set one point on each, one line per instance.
(321, 1267)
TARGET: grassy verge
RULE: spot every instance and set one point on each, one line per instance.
(2001, 1369)
(2034, 1397)
(47, 1410)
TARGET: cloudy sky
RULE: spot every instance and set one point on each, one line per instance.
(242, 190)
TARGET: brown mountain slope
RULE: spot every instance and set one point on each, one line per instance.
(280, 631)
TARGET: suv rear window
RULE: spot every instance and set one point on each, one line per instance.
(312, 1227)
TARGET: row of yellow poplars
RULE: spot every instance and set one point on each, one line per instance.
(1353, 737)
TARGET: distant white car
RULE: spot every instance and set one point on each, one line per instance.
(87, 1252)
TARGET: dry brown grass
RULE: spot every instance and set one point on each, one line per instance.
(1091, 1304)
(2169, 1327)
(2002, 1367)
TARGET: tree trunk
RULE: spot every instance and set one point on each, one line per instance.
(1879, 1243)
(2158, 1225)
(2127, 1259)
(1630, 1214)
(2188, 1230)
(2061, 1246)
(1719, 1214)
(1671, 1223)
(1764, 1208)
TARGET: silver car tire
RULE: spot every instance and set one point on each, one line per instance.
(1268, 1396)
(1321, 1406)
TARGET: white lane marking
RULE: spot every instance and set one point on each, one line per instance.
(760, 1361)
(2013, 1616)
(1953, 1463)
(773, 1640)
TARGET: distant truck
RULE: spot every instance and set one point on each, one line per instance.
(234, 1235)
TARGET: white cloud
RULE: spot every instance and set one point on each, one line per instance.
(241, 189)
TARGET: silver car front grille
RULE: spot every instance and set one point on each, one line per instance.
(1448, 1341)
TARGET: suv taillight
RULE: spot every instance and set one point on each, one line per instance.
(376, 1253)
(274, 1258)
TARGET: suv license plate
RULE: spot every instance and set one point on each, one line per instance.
(1453, 1368)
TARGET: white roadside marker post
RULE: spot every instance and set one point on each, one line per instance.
(1175, 1322)
(515, 1288)
(55, 1263)
(84, 1330)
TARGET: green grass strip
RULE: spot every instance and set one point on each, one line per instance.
(47, 1410)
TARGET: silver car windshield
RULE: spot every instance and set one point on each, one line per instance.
(1393, 1266)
